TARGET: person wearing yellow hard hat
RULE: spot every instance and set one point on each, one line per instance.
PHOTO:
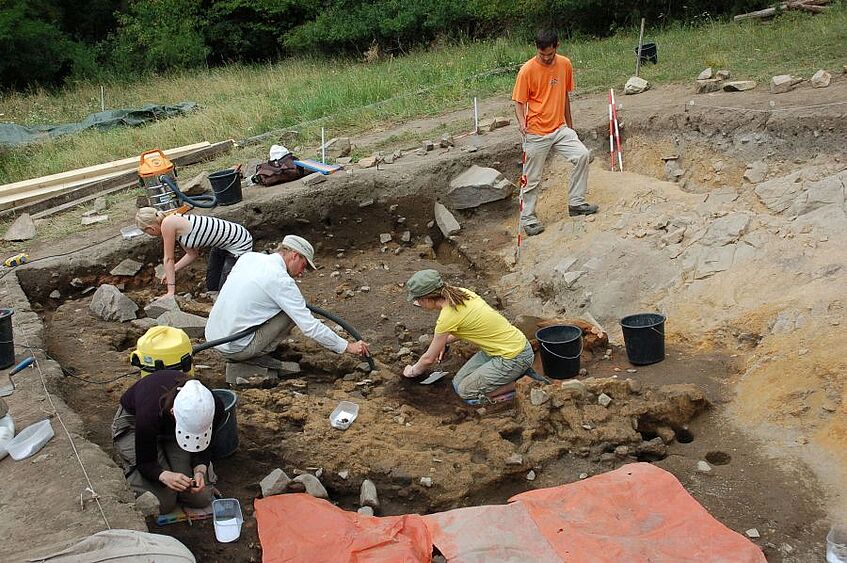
(161, 432)
(505, 353)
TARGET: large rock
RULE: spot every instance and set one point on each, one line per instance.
(275, 483)
(110, 304)
(739, 85)
(756, 172)
(821, 79)
(161, 305)
(710, 85)
(148, 505)
(478, 185)
(712, 260)
(636, 85)
(726, 230)
(200, 184)
(783, 83)
(250, 375)
(445, 220)
(312, 484)
(22, 229)
(368, 495)
(193, 325)
(127, 267)
(338, 147)
(705, 74)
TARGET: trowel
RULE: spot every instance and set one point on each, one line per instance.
(433, 377)
(8, 389)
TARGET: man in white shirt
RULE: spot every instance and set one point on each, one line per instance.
(261, 290)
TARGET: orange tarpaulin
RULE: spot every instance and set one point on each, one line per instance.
(636, 513)
(299, 527)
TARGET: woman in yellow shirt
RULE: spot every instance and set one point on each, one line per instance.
(505, 353)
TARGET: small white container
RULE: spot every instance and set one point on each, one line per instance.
(226, 514)
(131, 232)
(836, 544)
(30, 440)
(344, 415)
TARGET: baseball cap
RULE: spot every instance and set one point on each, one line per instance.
(423, 283)
(194, 411)
(302, 247)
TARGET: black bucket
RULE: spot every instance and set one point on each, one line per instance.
(561, 347)
(649, 53)
(227, 186)
(644, 336)
(7, 339)
(225, 440)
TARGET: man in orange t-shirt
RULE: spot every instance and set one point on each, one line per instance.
(543, 110)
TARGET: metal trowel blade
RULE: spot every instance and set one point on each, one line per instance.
(433, 377)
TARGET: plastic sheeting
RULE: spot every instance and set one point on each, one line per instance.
(12, 134)
(124, 546)
(299, 527)
(637, 513)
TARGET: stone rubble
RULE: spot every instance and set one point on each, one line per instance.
(109, 304)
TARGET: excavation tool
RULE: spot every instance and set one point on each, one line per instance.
(157, 175)
(437, 375)
(613, 112)
(9, 388)
(521, 187)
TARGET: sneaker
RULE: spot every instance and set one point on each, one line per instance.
(533, 229)
(582, 209)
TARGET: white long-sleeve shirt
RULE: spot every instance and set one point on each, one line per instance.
(259, 287)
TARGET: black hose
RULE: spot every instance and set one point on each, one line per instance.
(204, 201)
(250, 330)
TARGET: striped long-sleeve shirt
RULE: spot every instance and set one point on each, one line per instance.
(211, 232)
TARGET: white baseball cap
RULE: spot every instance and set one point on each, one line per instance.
(302, 247)
(277, 152)
(194, 411)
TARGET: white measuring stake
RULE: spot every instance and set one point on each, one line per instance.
(323, 147)
(475, 117)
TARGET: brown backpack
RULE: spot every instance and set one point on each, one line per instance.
(278, 171)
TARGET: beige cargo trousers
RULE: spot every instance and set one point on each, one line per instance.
(565, 142)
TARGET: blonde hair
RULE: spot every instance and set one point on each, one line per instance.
(148, 217)
(454, 296)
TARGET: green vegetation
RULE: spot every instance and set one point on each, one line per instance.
(347, 96)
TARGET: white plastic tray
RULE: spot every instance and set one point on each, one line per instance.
(227, 517)
(344, 415)
(30, 440)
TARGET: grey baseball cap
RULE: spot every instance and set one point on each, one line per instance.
(423, 283)
(302, 247)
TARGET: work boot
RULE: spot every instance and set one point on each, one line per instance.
(533, 229)
(582, 209)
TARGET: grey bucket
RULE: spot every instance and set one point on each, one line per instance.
(225, 439)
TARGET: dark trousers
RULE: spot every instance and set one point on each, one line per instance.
(218, 266)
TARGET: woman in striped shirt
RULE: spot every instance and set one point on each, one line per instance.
(227, 241)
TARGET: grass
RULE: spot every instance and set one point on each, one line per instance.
(348, 96)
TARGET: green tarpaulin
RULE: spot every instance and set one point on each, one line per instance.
(12, 134)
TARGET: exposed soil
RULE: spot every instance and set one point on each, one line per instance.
(752, 382)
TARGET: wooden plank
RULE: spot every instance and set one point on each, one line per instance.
(114, 182)
(17, 202)
(91, 172)
(50, 211)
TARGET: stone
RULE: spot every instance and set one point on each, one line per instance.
(674, 237)
(199, 184)
(477, 185)
(531, 475)
(666, 433)
(161, 305)
(726, 230)
(344, 160)
(636, 85)
(22, 229)
(703, 467)
(427, 145)
(652, 450)
(77, 283)
(570, 278)
(515, 459)
(368, 162)
(385, 238)
(99, 204)
(275, 483)
(705, 74)
(337, 147)
(498, 122)
(714, 260)
(739, 85)
(127, 267)
(193, 325)
(446, 141)
(109, 304)
(783, 83)
(753, 533)
(94, 219)
(583, 475)
(538, 397)
(426, 482)
(821, 79)
(312, 484)
(445, 220)
(159, 271)
(343, 474)
(604, 400)
(723, 75)
(621, 452)
(249, 374)
(368, 495)
(148, 505)
(313, 179)
(575, 386)
(366, 511)
(366, 203)
(144, 323)
(756, 172)
(406, 236)
(55, 294)
(708, 86)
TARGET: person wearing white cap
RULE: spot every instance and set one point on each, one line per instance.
(161, 432)
(261, 291)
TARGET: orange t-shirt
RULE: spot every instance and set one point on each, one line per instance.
(542, 88)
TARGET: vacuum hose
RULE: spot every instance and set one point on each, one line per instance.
(316, 310)
(204, 201)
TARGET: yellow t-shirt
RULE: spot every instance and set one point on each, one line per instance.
(542, 88)
(477, 322)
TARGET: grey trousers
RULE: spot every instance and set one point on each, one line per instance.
(265, 339)
(171, 458)
(483, 373)
(562, 141)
